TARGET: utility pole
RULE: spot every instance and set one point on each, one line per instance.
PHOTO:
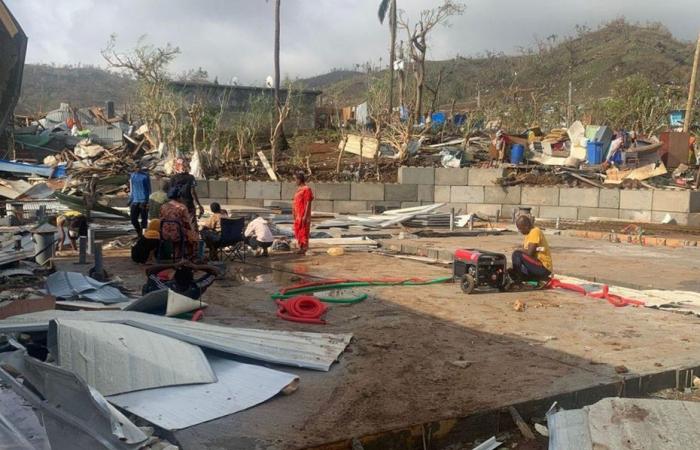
(569, 109)
(691, 90)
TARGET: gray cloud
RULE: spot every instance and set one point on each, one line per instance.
(235, 38)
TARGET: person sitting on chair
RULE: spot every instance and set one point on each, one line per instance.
(211, 230)
(174, 213)
(182, 280)
(258, 236)
(534, 263)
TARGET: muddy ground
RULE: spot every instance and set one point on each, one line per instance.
(406, 364)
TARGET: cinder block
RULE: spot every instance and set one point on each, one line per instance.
(467, 194)
(694, 219)
(484, 209)
(381, 206)
(484, 177)
(264, 190)
(587, 213)
(277, 203)
(349, 206)
(636, 199)
(426, 193)
(507, 210)
(218, 189)
(401, 192)
(409, 204)
(579, 197)
(322, 206)
(442, 194)
(540, 196)
(331, 191)
(416, 175)
(367, 191)
(451, 177)
(609, 198)
(635, 215)
(694, 201)
(660, 216)
(460, 208)
(675, 201)
(502, 195)
(288, 190)
(202, 189)
(563, 212)
(235, 189)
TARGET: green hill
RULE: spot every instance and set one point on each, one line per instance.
(45, 86)
(592, 60)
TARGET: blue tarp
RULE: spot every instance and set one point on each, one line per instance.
(438, 118)
(30, 169)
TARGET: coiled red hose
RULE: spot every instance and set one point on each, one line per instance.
(302, 309)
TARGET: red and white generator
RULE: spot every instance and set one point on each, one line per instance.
(474, 268)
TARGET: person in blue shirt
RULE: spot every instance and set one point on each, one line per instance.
(139, 191)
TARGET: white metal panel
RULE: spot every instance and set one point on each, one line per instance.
(309, 350)
(239, 386)
(116, 358)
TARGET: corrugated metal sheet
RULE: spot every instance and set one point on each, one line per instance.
(75, 416)
(116, 358)
(26, 169)
(309, 350)
(627, 423)
(75, 286)
(19, 426)
(239, 386)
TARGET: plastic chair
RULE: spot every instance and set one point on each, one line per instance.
(232, 242)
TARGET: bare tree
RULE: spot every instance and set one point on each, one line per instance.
(418, 45)
(149, 65)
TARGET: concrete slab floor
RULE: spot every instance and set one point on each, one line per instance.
(398, 371)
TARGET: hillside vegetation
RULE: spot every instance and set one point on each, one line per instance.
(592, 59)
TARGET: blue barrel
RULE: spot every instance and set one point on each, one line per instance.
(594, 152)
(517, 154)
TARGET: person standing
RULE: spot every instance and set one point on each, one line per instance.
(301, 210)
(185, 182)
(139, 192)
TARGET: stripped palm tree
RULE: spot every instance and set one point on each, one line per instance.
(390, 6)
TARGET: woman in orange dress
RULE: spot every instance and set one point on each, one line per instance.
(302, 212)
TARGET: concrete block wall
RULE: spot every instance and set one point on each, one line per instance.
(466, 190)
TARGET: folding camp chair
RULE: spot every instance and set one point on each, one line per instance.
(232, 243)
(181, 242)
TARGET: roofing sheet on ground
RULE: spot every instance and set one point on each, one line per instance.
(309, 350)
(239, 386)
(74, 286)
(116, 358)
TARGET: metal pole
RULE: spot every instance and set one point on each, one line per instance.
(691, 91)
(82, 250)
(471, 222)
(452, 219)
(91, 240)
(98, 270)
(498, 215)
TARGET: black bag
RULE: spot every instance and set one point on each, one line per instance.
(142, 249)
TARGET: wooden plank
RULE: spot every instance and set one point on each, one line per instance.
(271, 173)
(522, 426)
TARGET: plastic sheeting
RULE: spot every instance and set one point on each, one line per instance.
(239, 386)
(116, 358)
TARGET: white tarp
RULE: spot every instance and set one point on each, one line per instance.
(239, 386)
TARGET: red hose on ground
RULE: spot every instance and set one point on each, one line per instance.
(303, 309)
(613, 299)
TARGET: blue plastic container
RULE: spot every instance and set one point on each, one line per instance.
(517, 154)
(594, 152)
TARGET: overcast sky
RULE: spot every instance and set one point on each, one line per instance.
(234, 38)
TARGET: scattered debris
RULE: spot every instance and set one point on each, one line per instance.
(519, 306)
(522, 426)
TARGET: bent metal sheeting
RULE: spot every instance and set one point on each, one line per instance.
(116, 358)
(315, 351)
